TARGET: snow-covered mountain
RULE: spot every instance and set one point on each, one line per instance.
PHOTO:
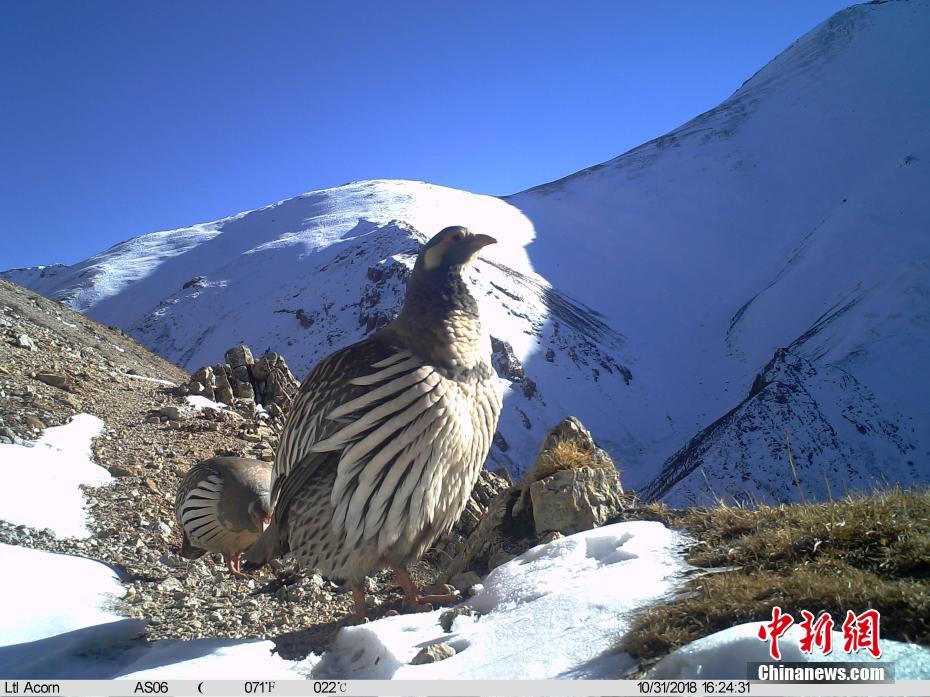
(764, 267)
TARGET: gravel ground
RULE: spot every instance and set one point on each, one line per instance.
(68, 364)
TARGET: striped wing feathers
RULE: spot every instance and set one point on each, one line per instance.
(196, 506)
(397, 432)
(326, 387)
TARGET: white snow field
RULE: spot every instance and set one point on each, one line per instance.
(40, 480)
(763, 267)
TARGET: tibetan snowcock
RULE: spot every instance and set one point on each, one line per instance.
(223, 505)
(385, 438)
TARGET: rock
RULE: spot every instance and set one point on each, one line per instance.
(171, 560)
(498, 558)
(35, 422)
(195, 282)
(265, 381)
(53, 379)
(574, 500)
(240, 376)
(24, 341)
(223, 390)
(243, 390)
(568, 445)
(239, 356)
(69, 399)
(280, 385)
(577, 487)
(432, 654)
(496, 530)
(169, 585)
(263, 366)
(571, 430)
(203, 376)
(177, 413)
(508, 366)
(465, 580)
(447, 618)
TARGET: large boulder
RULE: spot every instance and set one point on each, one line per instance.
(570, 501)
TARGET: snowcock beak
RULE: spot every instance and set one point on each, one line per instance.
(479, 241)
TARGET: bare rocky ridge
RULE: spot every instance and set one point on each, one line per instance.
(55, 363)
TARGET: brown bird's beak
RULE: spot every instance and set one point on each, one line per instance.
(479, 241)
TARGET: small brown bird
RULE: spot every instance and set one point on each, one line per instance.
(386, 437)
(223, 505)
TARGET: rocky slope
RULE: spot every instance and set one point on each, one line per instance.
(55, 363)
(761, 268)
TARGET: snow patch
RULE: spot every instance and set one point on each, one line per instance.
(201, 402)
(148, 379)
(552, 612)
(44, 594)
(41, 481)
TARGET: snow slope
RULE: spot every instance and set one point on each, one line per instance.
(763, 267)
(793, 216)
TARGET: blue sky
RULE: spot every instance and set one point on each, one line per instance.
(121, 118)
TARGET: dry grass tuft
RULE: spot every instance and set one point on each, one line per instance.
(857, 553)
(566, 454)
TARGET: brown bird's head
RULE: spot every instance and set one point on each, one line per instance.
(452, 248)
(260, 512)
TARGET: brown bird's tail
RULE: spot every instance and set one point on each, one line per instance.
(267, 547)
(188, 551)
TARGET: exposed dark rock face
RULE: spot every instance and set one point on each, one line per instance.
(508, 366)
(382, 294)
